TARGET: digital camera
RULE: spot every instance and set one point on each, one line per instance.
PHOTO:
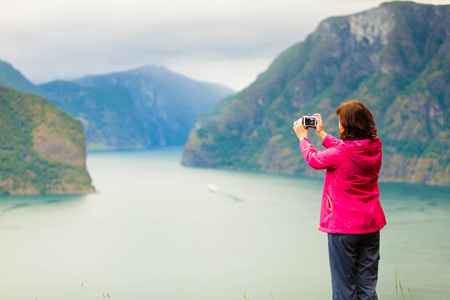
(309, 121)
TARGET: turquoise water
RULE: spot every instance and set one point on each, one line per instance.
(154, 231)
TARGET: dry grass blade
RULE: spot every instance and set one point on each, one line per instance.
(401, 288)
(409, 291)
(271, 295)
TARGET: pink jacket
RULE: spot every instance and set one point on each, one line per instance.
(350, 199)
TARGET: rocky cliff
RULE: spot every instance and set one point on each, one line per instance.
(42, 148)
(395, 58)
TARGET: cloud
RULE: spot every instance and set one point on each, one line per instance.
(48, 39)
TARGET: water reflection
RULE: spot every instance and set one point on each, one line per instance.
(9, 203)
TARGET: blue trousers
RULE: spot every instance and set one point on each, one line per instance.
(354, 265)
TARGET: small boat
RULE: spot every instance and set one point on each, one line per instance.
(213, 188)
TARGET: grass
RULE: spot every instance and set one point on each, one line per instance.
(245, 296)
(398, 283)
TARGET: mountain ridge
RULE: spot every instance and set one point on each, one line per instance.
(11, 77)
(146, 69)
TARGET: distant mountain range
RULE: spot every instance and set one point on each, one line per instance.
(395, 58)
(141, 108)
(42, 148)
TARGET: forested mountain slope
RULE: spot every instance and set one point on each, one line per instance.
(42, 148)
(395, 58)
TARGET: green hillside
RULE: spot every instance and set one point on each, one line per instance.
(395, 58)
(12, 78)
(41, 147)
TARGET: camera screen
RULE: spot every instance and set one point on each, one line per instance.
(309, 121)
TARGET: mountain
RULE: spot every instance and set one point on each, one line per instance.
(107, 114)
(11, 77)
(42, 148)
(395, 58)
(141, 108)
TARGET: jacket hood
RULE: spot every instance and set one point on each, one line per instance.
(364, 153)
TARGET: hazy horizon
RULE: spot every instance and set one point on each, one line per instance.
(229, 43)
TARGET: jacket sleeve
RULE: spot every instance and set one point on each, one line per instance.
(319, 160)
(330, 141)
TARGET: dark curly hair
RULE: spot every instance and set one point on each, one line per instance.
(356, 121)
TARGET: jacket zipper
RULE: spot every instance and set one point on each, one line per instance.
(330, 207)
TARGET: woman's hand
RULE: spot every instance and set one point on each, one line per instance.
(301, 131)
(319, 127)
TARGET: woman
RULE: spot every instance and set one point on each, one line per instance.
(351, 213)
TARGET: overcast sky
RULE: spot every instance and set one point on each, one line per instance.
(227, 41)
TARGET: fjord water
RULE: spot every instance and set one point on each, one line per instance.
(154, 231)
